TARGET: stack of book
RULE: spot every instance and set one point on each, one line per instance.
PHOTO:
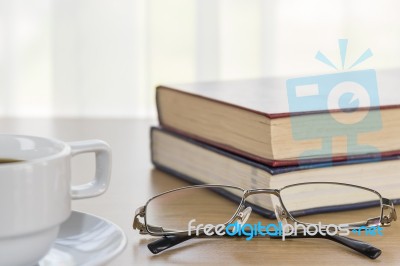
(242, 133)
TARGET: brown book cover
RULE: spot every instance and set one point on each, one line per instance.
(218, 113)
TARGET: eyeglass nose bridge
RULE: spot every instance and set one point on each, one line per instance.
(262, 191)
(280, 212)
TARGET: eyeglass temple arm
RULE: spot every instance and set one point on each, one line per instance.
(357, 245)
(167, 242)
(364, 248)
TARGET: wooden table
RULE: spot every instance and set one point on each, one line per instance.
(134, 180)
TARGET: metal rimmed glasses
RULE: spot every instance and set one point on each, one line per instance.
(172, 213)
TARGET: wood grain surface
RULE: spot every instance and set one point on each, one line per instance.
(134, 181)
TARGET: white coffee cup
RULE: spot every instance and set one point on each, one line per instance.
(36, 193)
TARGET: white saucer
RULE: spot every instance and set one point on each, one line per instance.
(85, 239)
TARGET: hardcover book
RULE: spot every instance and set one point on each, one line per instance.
(200, 163)
(254, 118)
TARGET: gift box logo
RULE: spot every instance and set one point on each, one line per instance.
(350, 100)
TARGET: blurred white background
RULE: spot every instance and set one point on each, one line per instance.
(94, 58)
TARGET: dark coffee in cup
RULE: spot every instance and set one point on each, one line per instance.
(9, 160)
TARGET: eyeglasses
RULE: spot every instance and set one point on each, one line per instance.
(184, 213)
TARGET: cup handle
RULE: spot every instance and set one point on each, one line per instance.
(99, 184)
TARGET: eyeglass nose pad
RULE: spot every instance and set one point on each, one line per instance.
(281, 215)
(244, 215)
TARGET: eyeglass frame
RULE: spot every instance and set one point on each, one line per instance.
(384, 220)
